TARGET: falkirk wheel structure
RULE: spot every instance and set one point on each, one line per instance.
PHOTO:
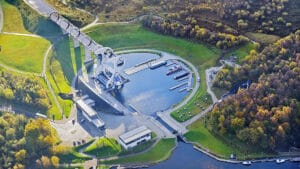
(106, 63)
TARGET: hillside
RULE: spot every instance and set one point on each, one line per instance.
(231, 16)
(267, 113)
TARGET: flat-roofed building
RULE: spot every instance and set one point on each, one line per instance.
(135, 137)
(90, 114)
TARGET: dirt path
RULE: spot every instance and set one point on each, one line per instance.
(22, 34)
(47, 80)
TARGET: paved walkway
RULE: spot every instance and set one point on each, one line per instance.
(42, 7)
(48, 83)
(22, 34)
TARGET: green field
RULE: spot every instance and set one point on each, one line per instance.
(242, 51)
(73, 157)
(20, 52)
(62, 67)
(132, 36)
(104, 147)
(12, 14)
(221, 146)
(262, 38)
(161, 151)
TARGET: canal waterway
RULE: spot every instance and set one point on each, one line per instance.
(186, 157)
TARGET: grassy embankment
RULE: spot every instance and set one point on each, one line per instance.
(161, 151)
(63, 61)
(12, 14)
(104, 147)
(62, 66)
(222, 146)
(20, 52)
(262, 38)
(109, 147)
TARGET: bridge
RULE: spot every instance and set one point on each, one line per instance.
(105, 62)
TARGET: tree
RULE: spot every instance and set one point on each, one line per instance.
(55, 161)
(20, 155)
(44, 162)
(19, 166)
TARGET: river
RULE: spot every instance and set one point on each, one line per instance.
(186, 157)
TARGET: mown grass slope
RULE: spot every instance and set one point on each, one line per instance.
(22, 53)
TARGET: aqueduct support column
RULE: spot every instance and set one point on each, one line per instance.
(76, 43)
(87, 55)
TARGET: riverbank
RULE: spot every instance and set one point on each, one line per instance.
(292, 159)
(160, 152)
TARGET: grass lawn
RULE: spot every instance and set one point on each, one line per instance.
(262, 38)
(20, 52)
(12, 18)
(62, 66)
(104, 147)
(103, 167)
(132, 36)
(138, 148)
(200, 135)
(161, 151)
(222, 146)
(241, 51)
(73, 157)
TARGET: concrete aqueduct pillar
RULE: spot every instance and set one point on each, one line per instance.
(76, 43)
(87, 54)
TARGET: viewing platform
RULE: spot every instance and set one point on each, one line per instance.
(152, 64)
(139, 67)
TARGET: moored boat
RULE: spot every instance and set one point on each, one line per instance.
(278, 161)
(246, 163)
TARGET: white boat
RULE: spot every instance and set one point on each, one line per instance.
(246, 162)
(278, 161)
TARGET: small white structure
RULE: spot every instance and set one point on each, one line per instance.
(90, 114)
(135, 137)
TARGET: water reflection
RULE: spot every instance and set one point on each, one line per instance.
(148, 90)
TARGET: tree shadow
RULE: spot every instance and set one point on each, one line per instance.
(78, 57)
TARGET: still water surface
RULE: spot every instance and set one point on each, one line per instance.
(148, 90)
(186, 157)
